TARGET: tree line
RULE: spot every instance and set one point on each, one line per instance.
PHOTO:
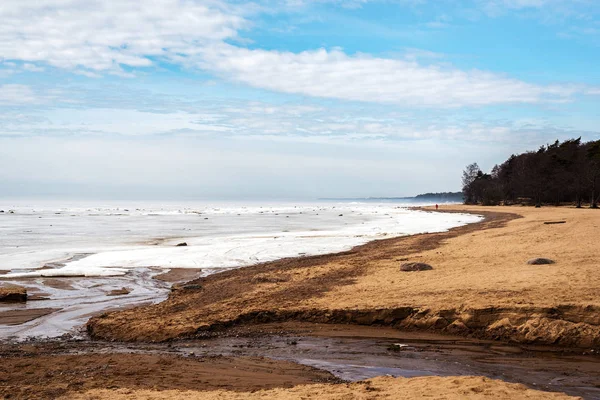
(567, 172)
(441, 197)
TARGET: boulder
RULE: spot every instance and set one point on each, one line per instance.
(13, 294)
(189, 287)
(540, 261)
(119, 292)
(415, 266)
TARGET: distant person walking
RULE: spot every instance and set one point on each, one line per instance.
(436, 206)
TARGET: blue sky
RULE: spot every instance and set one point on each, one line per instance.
(285, 99)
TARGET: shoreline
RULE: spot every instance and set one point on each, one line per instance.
(53, 288)
(185, 314)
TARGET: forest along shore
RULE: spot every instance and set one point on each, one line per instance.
(480, 285)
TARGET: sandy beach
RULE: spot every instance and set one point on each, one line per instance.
(480, 288)
(480, 285)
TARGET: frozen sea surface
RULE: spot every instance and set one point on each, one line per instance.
(109, 241)
(112, 245)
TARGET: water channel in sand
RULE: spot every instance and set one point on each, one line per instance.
(356, 353)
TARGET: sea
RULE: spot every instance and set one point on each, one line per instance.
(72, 255)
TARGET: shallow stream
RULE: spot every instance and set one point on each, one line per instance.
(356, 353)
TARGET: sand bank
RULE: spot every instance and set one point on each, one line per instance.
(481, 285)
(379, 388)
(40, 376)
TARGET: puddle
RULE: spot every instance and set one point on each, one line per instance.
(351, 372)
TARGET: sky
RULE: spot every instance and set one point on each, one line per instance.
(287, 99)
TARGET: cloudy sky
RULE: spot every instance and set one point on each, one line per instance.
(266, 99)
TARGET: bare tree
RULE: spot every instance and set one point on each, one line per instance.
(469, 176)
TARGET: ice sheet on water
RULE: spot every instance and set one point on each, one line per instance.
(218, 235)
(105, 247)
(67, 272)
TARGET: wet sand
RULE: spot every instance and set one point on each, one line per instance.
(59, 283)
(51, 376)
(21, 316)
(175, 275)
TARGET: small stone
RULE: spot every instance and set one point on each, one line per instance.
(415, 266)
(397, 346)
(540, 261)
(183, 244)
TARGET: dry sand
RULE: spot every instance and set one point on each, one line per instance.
(488, 268)
(448, 388)
(481, 285)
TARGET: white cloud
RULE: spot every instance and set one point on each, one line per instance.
(103, 36)
(13, 94)
(95, 37)
(32, 68)
(9, 68)
(257, 121)
(334, 74)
